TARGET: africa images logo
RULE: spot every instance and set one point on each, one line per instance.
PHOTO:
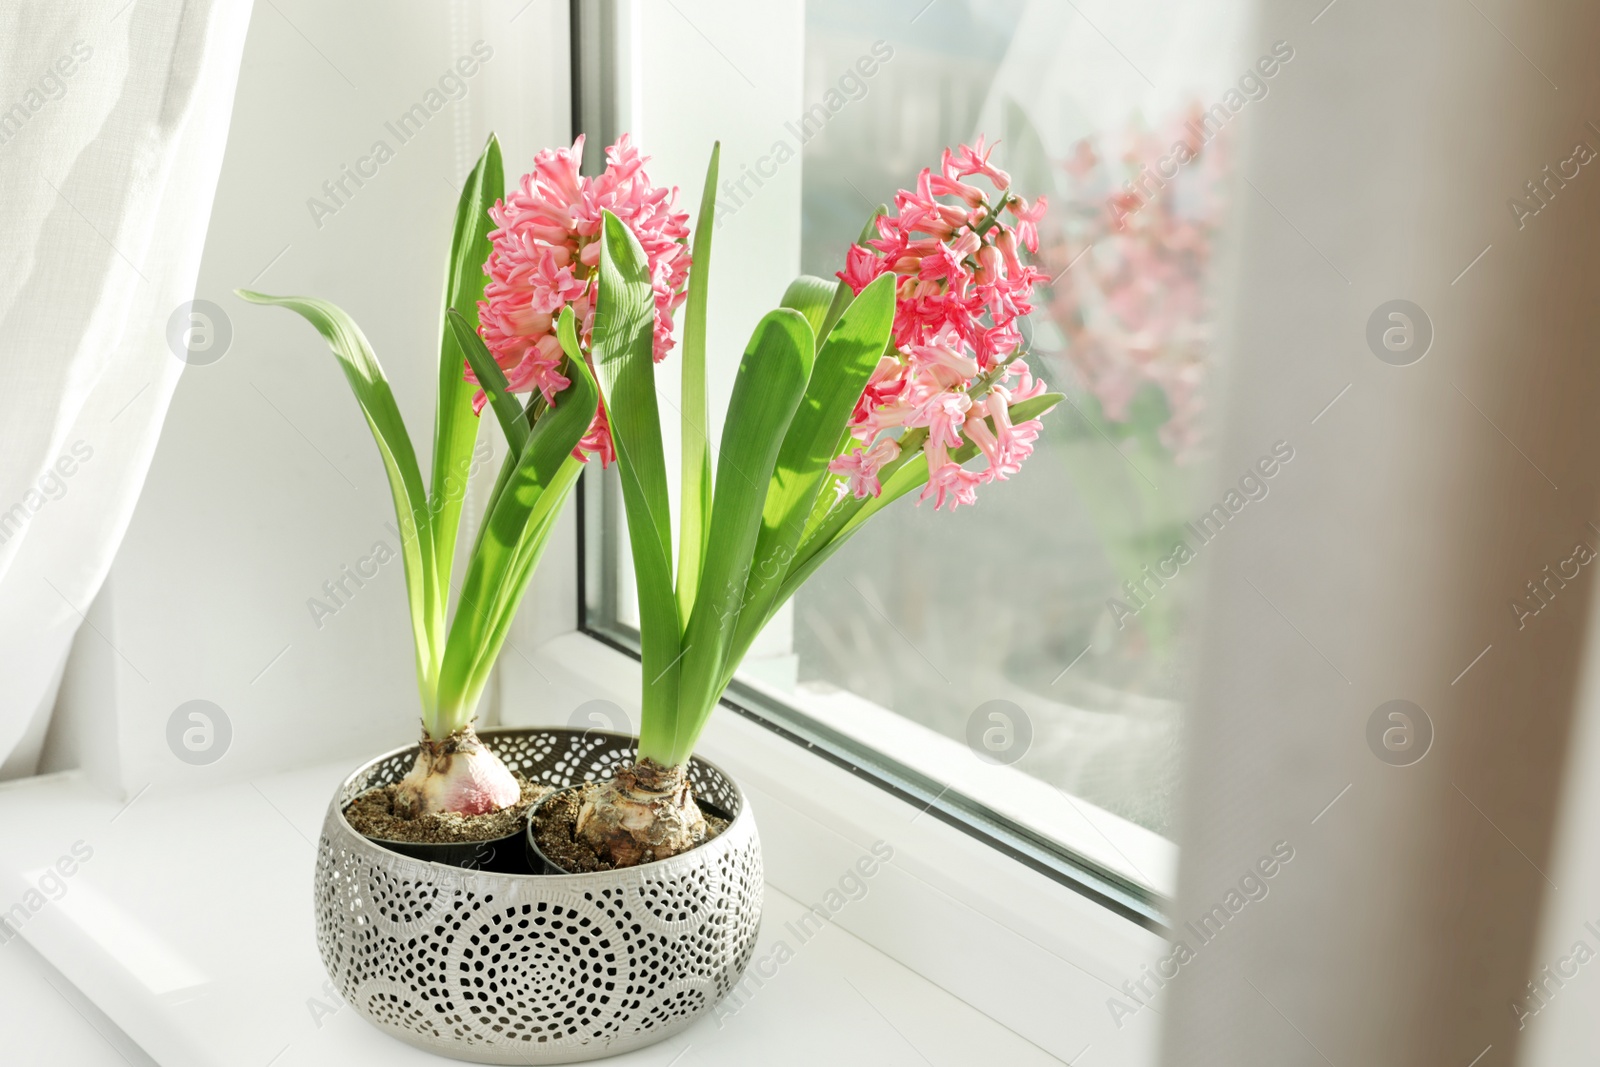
(1252, 888)
(1252, 486)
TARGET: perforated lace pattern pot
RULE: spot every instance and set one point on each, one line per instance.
(508, 968)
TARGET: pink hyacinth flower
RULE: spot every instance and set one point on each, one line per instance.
(862, 465)
(545, 256)
(951, 483)
(952, 371)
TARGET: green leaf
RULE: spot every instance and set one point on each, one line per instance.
(526, 562)
(514, 419)
(623, 341)
(906, 473)
(843, 365)
(492, 380)
(695, 511)
(503, 560)
(519, 573)
(811, 296)
(771, 382)
(455, 425)
(842, 294)
(567, 334)
(1038, 407)
(371, 388)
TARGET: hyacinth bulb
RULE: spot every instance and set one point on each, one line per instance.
(457, 774)
(646, 812)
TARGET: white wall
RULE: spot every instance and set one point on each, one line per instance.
(266, 481)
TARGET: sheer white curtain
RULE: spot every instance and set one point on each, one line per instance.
(112, 126)
(1363, 883)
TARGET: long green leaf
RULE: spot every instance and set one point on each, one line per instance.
(622, 343)
(515, 419)
(372, 392)
(499, 570)
(527, 556)
(492, 380)
(832, 513)
(844, 363)
(695, 509)
(811, 296)
(842, 294)
(771, 382)
(455, 426)
(519, 574)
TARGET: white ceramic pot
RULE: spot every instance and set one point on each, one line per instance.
(518, 968)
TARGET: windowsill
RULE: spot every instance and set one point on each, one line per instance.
(62, 1025)
(190, 929)
(1081, 827)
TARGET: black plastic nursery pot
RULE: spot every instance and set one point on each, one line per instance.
(502, 967)
(506, 855)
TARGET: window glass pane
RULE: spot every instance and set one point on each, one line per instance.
(1024, 599)
(1015, 665)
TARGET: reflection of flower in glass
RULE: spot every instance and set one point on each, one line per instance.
(1137, 229)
